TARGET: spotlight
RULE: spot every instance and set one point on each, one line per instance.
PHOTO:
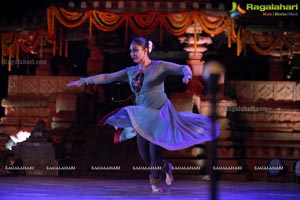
(11, 163)
(296, 168)
(276, 168)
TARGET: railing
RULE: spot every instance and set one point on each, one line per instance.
(40, 85)
(253, 91)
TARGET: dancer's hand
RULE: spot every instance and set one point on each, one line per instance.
(77, 83)
(186, 79)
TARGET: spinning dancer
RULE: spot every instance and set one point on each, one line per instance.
(153, 120)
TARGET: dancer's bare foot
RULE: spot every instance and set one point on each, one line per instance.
(169, 175)
(154, 182)
(156, 188)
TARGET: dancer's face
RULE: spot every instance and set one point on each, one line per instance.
(137, 53)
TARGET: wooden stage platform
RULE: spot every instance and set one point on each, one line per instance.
(91, 188)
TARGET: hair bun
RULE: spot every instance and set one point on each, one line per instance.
(150, 46)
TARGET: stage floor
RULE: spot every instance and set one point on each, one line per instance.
(91, 188)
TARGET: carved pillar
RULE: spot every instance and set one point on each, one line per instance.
(44, 65)
(195, 48)
(95, 64)
(276, 72)
(95, 61)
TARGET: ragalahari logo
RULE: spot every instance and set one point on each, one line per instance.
(236, 10)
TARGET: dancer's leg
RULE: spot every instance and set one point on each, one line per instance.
(143, 147)
(156, 166)
(152, 155)
(157, 161)
(167, 169)
(144, 151)
(159, 165)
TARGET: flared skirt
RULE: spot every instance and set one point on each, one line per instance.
(165, 127)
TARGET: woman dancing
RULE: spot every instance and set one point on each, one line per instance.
(153, 120)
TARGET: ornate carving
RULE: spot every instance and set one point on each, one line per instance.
(253, 91)
(282, 116)
(284, 91)
(25, 111)
(29, 99)
(29, 85)
(13, 85)
(244, 90)
(297, 92)
(48, 86)
(264, 91)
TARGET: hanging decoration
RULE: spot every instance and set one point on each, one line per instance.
(29, 42)
(9, 48)
(12, 43)
(142, 24)
(213, 25)
(60, 19)
(104, 21)
(177, 23)
(292, 41)
(262, 44)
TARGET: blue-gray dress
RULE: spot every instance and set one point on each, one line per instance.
(154, 117)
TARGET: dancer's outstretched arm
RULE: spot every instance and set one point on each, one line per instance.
(177, 69)
(101, 79)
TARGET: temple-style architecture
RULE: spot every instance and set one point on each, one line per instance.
(258, 104)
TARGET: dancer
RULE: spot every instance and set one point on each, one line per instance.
(153, 120)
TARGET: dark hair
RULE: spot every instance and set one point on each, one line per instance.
(144, 43)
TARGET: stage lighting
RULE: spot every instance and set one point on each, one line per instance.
(11, 163)
(296, 168)
(275, 167)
